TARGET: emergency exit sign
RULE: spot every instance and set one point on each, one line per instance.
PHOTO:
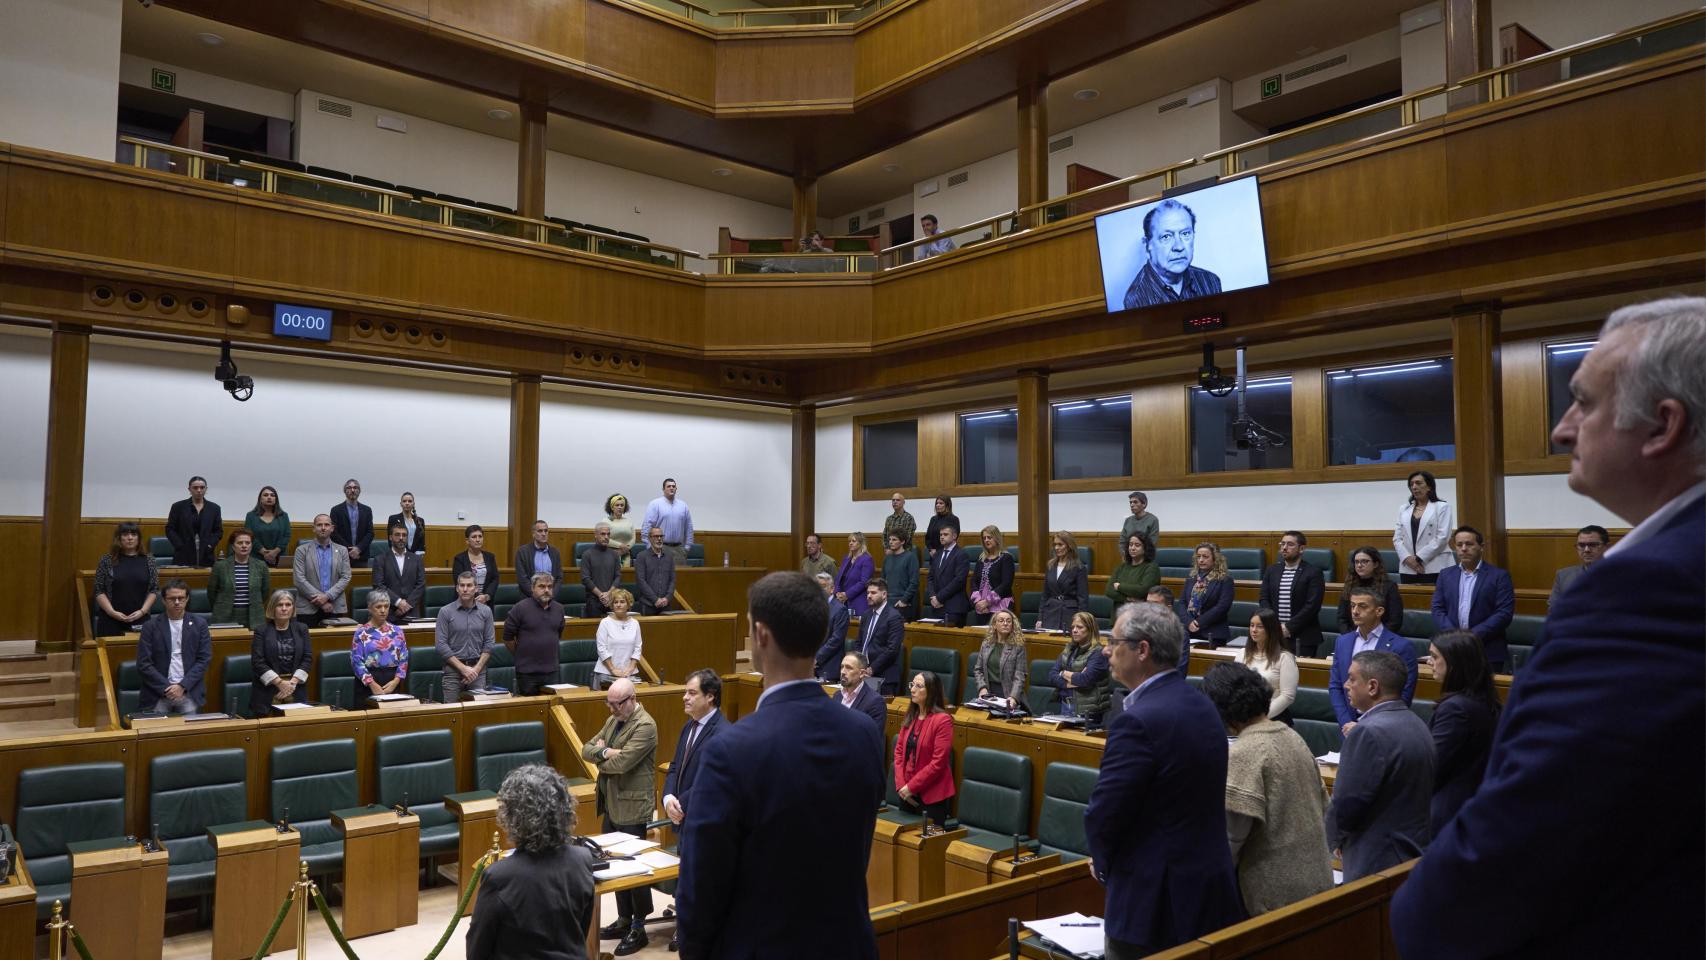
(164, 80)
(1270, 86)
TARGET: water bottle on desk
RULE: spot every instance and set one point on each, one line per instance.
(1067, 708)
(725, 558)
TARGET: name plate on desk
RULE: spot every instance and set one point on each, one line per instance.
(163, 720)
(395, 701)
(299, 709)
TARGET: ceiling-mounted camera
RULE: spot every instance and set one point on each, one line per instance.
(240, 386)
(1209, 377)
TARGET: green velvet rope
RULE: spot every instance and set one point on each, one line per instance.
(461, 905)
(332, 925)
(78, 945)
(278, 921)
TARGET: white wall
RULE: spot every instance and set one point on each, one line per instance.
(666, 211)
(1563, 22)
(732, 464)
(992, 189)
(157, 416)
(1139, 138)
(25, 366)
(893, 208)
(207, 88)
(59, 75)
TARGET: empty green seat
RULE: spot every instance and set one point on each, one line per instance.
(1040, 692)
(1423, 708)
(1389, 560)
(1174, 561)
(943, 662)
(1418, 623)
(501, 747)
(1102, 608)
(61, 806)
(238, 676)
(994, 797)
(438, 597)
(1519, 654)
(508, 594)
(426, 674)
(338, 686)
(189, 793)
(161, 549)
(1323, 560)
(500, 669)
(128, 687)
(358, 603)
(1245, 563)
(1321, 736)
(696, 555)
(1313, 703)
(1060, 825)
(575, 660)
(420, 767)
(309, 781)
(1030, 608)
(968, 690)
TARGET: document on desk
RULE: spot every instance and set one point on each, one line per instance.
(1330, 757)
(1074, 933)
(928, 620)
(608, 840)
(658, 860)
(622, 868)
(629, 847)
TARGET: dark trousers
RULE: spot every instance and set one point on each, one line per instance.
(593, 607)
(950, 619)
(1121, 950)
(632, 905)
(1428, 578)
(311, 619)
(532, 684)
(937, 812)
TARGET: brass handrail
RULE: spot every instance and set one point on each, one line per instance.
(1398, 101)
(1169, 175)
(195, 161)
(833, 10)
(1584, 46)
(986, 221)
(664, 247)
(726, 261)
(448, 208)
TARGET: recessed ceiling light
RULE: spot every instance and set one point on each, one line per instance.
(211, 39)
(499, 113)
(723, 172)
(1086, 94)
(890, 167)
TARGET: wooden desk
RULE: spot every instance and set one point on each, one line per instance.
(880, 885)
(256, 866)
(123, 891)
(18, 912)
(477, 825)
(382, 852)
(970, 866)
(919, 861)
(602, 887)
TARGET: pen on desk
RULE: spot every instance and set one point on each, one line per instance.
(1097, 924)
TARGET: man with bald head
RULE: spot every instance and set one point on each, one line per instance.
(1608, 718)
(625, 753)
(320, 573)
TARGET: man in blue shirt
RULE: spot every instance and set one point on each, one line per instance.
(539, 556)
(320, 571)
(1367, 608)
(670, 513)
(1475, 596)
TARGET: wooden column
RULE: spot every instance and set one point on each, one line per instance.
(805, 205)
(1033, 143)
(803, 488)
(1034, 471)
(530, 161)
(523, 459)
(1480, 436)
(62, 484)
(1468, 46)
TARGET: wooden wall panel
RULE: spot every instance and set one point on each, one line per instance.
(900, 46)
(300, 250)
(1362, 207)
(746, 316)
(20, 543)
(1161, 434)
(655, 52)
(789, 74)
(1523, 400)
(553, 29)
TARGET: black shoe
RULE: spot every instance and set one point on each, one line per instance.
(634, 942)
(674, 944)
(618, 929)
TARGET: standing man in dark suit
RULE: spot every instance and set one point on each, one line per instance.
(948, 568)
(352, 523)
(775, 842)
(1156, 822)
(882, 636)
(1476, 596)
(1293, 588)
(835, 640)
(172, 656)
(398, 571)
(702, 700)
(654, 575)
(1367, 611)
(195, 526)
(539, 556)
(1607, 718)
(858, 695)
(1378, 817)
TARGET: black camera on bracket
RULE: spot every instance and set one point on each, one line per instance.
(240, 386)
(1209, 378)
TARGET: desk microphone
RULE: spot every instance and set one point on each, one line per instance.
(1012, 938)
(402, 808)
(284, 821)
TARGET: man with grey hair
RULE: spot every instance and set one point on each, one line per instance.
(529, 901)
(463, 636)
(601, 567)
(531, 632)
(1156, 823)
(1378, 817)
(1609, 715)
(625, 753)
(1169, 243)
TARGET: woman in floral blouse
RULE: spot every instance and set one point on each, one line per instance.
(379, 655)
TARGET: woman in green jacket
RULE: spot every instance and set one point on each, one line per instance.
(900, 569)
(238, 584)
(271, 527)
(1131, 580)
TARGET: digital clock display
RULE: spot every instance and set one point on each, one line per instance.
(306, 323)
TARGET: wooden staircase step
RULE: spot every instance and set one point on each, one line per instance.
(37, 684)
(46, 707)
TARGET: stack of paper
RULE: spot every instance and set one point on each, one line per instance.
(1330, 757)
(1075, 933)
(628, 847)
(622, 868)
(658, 860)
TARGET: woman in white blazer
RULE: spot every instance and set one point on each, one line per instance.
(1422, 535)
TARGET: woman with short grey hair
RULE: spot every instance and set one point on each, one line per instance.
(537, 902)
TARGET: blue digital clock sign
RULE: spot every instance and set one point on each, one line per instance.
(306, 323)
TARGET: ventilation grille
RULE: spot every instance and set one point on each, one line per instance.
(335, 108)
(959, 178)
(874, 215)
(1055, 146)
(1337, 61)
(1172, 105)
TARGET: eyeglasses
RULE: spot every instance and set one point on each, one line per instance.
(617, 704)
(177, 599)
(1590, 546)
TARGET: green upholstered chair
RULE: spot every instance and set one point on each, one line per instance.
(573, 598)
(941, 661)
(199, 602)
(60, 806)
(1040, 692)
(358, 603)
(1321, 736)
(1521, 637)
(968, 690)
(337, 679)
(160, 549)
(1030, 608)
(1328, 618)
(309, 781)
(1423, 708)
(1329, 643)
(1060, 825)
(234, 698)
(1102, 608)
(1418, 623)
(1245, 563)
(1313, 703)
(581, 547)
(500, 669)
(994, 797)
(501, 747)
(575, 660)
(1323, 560)
(696, 555)
(1389, 560)
(426, 674)
(422, 765)
(438, 597)
(508, 594)
(188, 793)
(1239, 617)
(128, 687)
(1173, 561)
(1519, 654)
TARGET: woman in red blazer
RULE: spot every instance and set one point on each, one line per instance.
(923, 774)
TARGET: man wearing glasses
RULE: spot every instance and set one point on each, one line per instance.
(1591, 542)
(625, 752)
(172, 656)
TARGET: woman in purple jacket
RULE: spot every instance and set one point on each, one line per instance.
(856, 570)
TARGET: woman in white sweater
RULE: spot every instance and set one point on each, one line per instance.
(1265, 653)
(1422, 535)
(618, 642)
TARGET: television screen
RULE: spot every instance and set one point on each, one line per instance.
(1179, 248)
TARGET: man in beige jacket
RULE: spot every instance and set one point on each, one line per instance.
(625, 752)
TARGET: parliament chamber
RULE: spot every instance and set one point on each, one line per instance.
(561, 273)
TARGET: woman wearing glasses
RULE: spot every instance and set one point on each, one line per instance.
(923, 774)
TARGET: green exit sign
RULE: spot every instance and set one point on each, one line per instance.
(1270, 86)
(167, 82)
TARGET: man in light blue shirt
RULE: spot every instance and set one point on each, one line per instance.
(1367, 609)
(320, 572)
(671, 515)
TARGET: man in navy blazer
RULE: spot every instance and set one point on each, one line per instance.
(948, 569)
(776, 838)
(1485, 607)
(835, 639)
(702, 700)
(172, 656)
(882, 635)
(1156, 822)
(1367, 608)
(1591, 803)
(354, 533)
(858, 695)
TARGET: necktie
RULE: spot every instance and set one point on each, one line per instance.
(692, 741)
(870, 632)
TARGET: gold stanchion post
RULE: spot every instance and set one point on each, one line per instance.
(56, 932)
(302, 893)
